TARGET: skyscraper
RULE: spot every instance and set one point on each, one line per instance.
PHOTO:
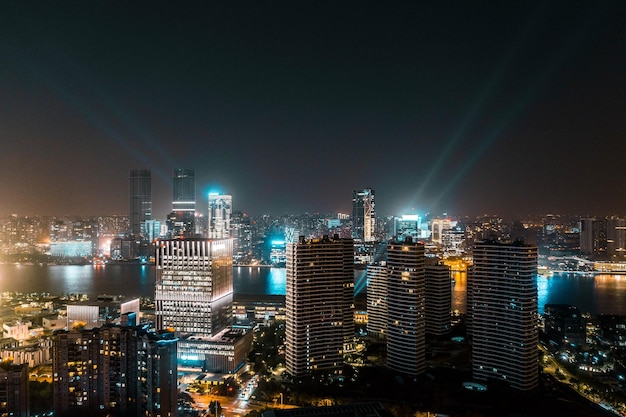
(181, 220)
(377, 300)
(438, 299)
(140, 195)
(319, 274)
(220, 210)
(194, 285)
(184, 190)
(502, 290)
(363, 215)
(406, 345)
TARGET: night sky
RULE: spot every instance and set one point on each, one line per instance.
(467, 107)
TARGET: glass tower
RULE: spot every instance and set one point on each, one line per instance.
(140, 196)
(363, 215)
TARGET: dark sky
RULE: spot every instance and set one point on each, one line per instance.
(464, 107)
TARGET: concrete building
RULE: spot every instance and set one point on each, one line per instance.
(438, 299)
(377, 300)
(223, 353)
(13, 389)
(319, 301)
(120, 370)
(502, 291)
(94, 313)
(17, 330)
(406, 345)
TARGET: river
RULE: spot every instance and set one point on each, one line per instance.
(602, 294)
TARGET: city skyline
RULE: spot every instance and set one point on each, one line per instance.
(458, 108)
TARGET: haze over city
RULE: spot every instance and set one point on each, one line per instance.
(456, 107)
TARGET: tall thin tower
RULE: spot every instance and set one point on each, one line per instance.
(181, 221)
(502, 290)
(140, 197)
(184, 190)
(406, 344)
(363, 215)
(319, 272)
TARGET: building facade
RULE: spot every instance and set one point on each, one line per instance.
(377, 300)
(181, 221)
(140, 197)
(406, 345)
(220, 211)
(116, 370)
(194, 285)
(319, 299)
(502, 290)
(438, 299)
(363, 215)
(13, 389)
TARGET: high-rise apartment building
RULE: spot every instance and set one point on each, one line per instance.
(406, 345)
(194, 285)
(593, 237)
(13, 389)
(181, 221)
(122, 370)
(220, 210)
(438, 299)
(320, 293)
(363, 215)
(502, 290)
(140, 196)
(377, 300)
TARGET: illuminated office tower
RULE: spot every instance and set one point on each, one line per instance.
(320, 292)
(242, 234)
(503, 295)
(363, 215)
(409, 225)
(184, 190)
(438, 299)
(181, 220)
(406, 345)
(220, 209)
(194, 285)
(437, 228)
(377, 300)
(140, 194)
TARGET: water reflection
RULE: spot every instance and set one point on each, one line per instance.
(276, 281)
(605, 294)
